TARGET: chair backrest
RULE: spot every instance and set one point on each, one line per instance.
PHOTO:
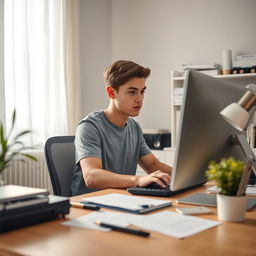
(60, 158)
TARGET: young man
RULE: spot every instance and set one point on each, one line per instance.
(109, 143)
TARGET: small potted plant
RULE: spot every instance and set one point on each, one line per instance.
(227, 174)
(11, 147)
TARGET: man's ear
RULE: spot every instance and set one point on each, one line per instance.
(110, 92)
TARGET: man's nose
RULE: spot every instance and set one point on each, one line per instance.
(139, 98)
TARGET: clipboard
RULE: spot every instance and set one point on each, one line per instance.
(127, 203)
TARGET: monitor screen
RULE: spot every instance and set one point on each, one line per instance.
(203, 135)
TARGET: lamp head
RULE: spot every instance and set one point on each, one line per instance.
(238, 114)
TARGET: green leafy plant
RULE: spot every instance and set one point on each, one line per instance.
(227, 174)
(10, 149)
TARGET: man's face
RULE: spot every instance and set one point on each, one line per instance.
(129, 98)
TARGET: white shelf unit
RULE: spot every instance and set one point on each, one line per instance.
(177, 80)
(166, 156)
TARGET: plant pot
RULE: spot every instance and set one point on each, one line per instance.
(231, 208)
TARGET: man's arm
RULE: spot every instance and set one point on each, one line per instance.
(96, 177)
(151, 164)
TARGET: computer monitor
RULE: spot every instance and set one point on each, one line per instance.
(203, 135)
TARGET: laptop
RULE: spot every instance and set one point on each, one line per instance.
(9, 193)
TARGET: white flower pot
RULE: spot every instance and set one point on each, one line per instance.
(231, 208)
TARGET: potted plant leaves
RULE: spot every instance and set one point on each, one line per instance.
(11, 147)
(231, 198)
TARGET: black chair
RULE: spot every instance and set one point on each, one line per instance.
(60, 158)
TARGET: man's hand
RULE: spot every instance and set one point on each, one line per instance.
(161, 178)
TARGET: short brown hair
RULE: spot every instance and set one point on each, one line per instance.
(122, 71)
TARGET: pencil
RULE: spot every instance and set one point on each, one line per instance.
(86, 206)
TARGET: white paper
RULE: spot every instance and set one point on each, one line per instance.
(174, 224)
(165, 222)
(87, 221)
(125, 201)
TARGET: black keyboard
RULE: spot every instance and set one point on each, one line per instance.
(165, 192)
(155, 190)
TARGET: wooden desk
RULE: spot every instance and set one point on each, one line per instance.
(52, 238)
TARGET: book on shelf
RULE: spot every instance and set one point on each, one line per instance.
(211, 72)
(244, 64)
(246, 57)
(200, 67)
(212, 69)
(178, 95)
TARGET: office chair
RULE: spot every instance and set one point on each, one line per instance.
(60, 158)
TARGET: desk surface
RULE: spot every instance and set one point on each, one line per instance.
(52, 238)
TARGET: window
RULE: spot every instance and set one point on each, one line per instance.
(34, 67)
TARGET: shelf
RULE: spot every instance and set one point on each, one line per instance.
(232, 76)
(177, 79)
(235, 76)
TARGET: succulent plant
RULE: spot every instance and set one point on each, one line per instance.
(227, 174)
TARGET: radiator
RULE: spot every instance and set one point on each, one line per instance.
(29, 173)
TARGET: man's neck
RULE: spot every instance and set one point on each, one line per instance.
(115, 117)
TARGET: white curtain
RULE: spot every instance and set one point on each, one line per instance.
(40, 66)
(72, 63)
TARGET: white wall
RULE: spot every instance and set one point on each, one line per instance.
(163, 35)
(95, 52)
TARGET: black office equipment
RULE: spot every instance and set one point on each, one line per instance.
(56, 207)
(157, 139)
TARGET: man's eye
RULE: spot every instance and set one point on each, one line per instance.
(131, 92)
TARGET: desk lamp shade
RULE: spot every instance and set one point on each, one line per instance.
(238, 114)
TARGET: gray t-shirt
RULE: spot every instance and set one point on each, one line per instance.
(119, 148)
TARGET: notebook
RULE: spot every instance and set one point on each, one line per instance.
(209, 200)
(250, 190)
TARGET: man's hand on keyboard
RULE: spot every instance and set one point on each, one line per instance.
(161, 178)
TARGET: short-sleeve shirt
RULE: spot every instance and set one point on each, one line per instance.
(119, 148)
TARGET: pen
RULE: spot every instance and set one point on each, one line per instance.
(122, 229)
(86, 206)
(147, 205)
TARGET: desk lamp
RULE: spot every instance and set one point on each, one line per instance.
(239, 115)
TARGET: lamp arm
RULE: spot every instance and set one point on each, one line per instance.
(241, 140)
